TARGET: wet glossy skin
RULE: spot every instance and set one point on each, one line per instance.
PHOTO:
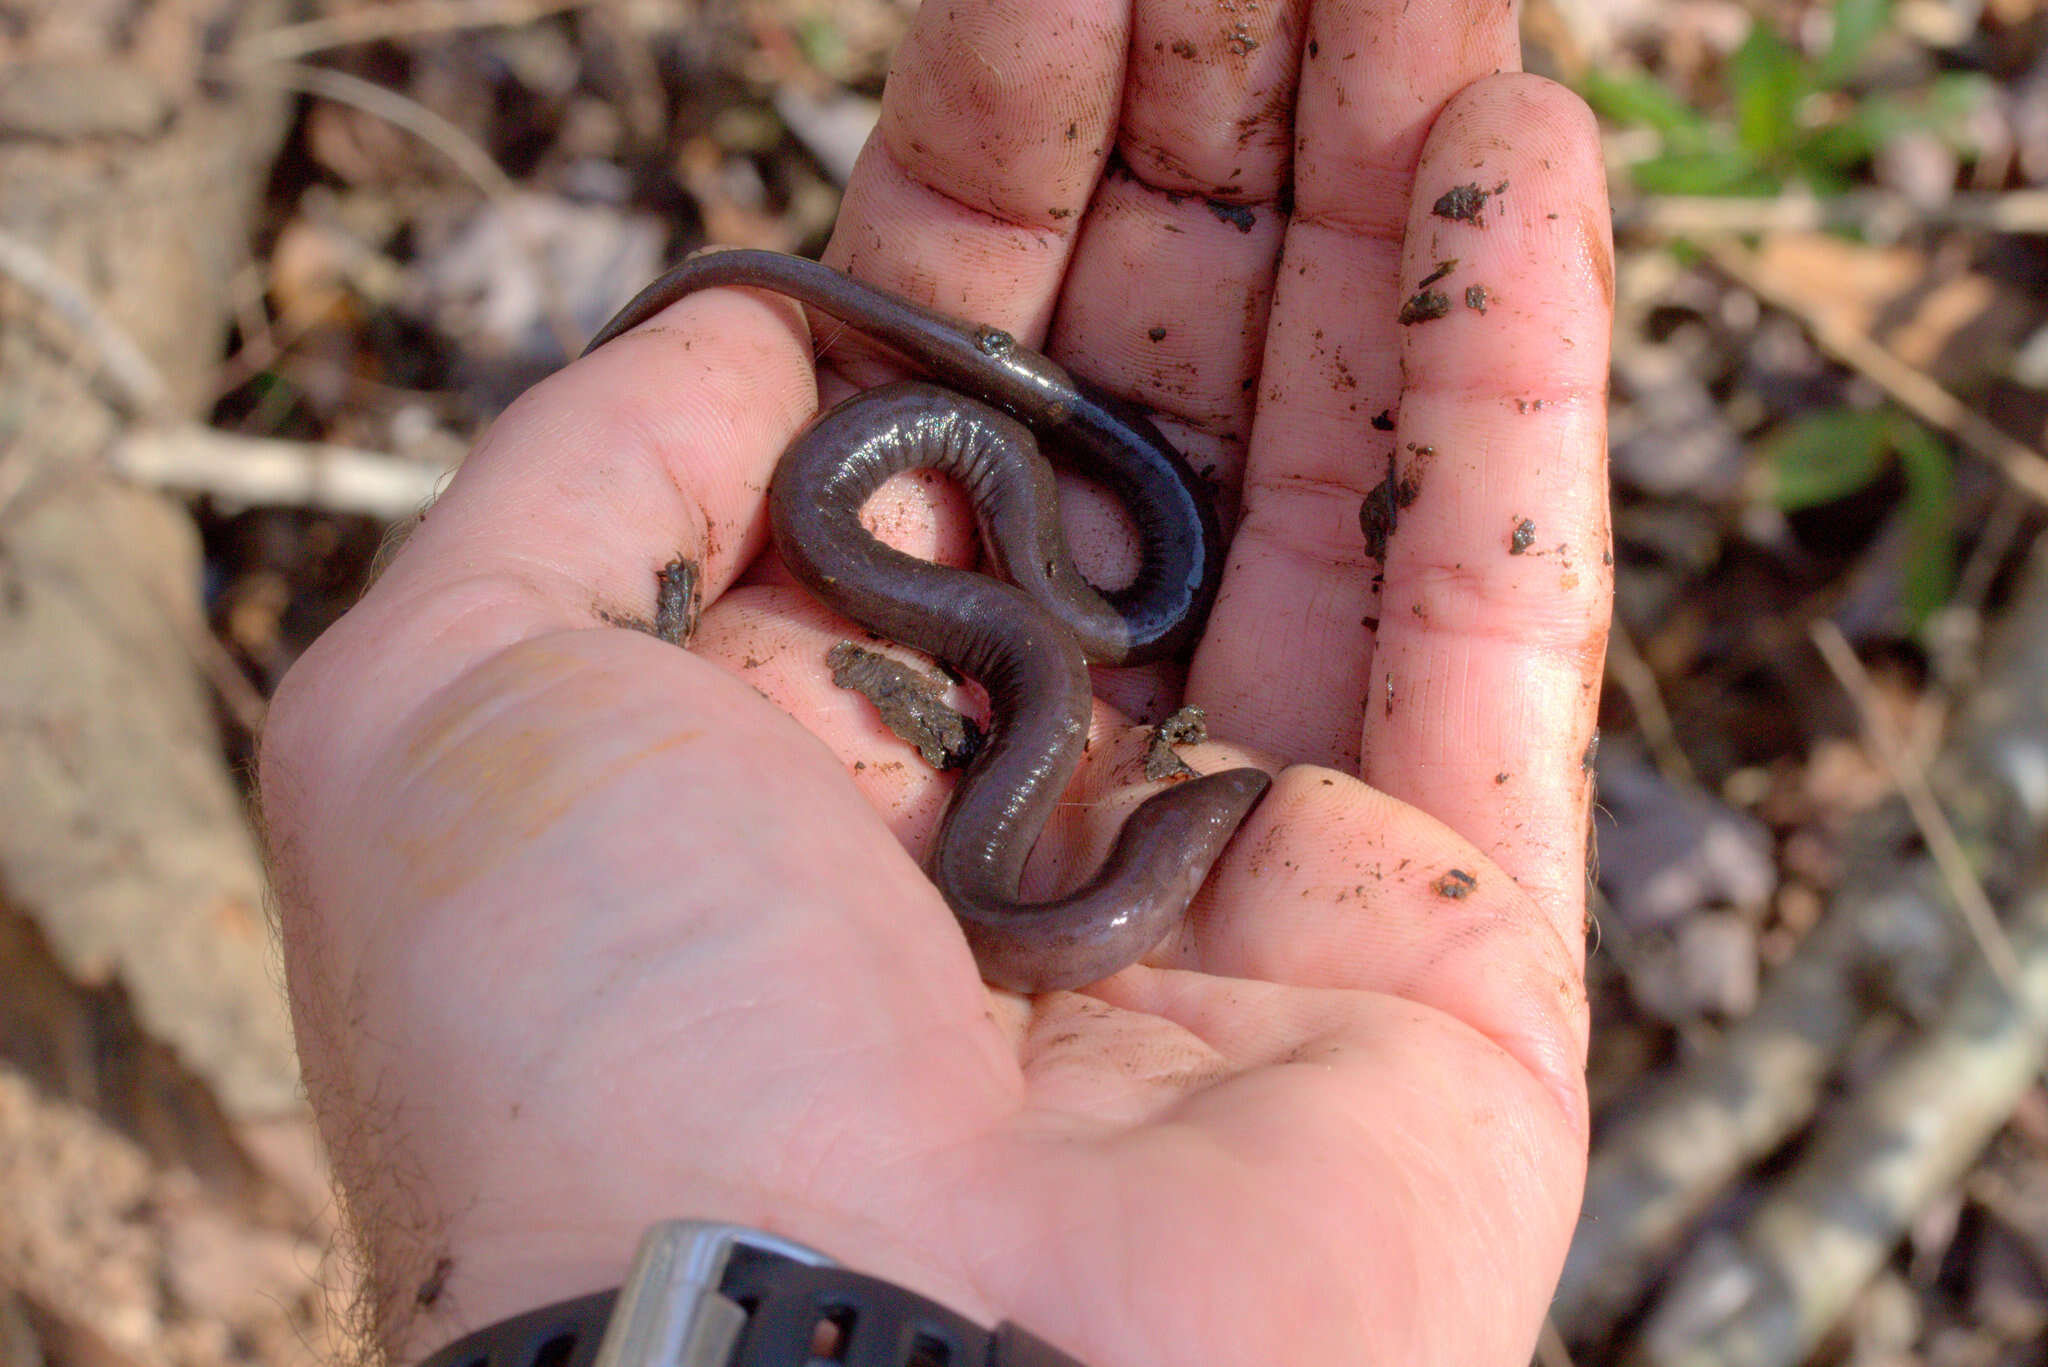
(1028, 642)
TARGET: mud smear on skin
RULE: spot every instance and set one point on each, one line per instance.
(1188, 726)
(678, 601)
(1466, 203)
(911, 703)
(1380, 513)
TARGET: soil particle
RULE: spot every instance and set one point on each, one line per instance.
(1380, 513)
(1383, 421)
(1443, 268)
(1189, 726)
(626, 621)
(1476, 298)
(1408, 487)
(1425, 307)
(1456, 885)
(1466, 203)
(1523, 537)
(1238, 216)
(677, 602)
(436, 1280)
(1157, 334)
(912, 704)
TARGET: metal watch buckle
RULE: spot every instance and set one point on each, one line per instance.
(670, 1312)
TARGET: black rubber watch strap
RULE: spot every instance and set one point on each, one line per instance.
(791, 1309)
(565, 1334)
(875, 1323)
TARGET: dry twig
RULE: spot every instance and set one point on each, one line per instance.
(370, 23)
(1638, 683)
(264, 472)
(1825, 1229)
(469, 157)
(1912, 389)
(140, 383)
(1661, 1165)
(2019, 212)
(1980, 918)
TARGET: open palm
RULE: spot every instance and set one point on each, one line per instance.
(585, 931)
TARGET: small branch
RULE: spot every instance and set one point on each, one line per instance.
(241, 699)
(2022, 213)
(371, 23)
(1980, 918)
(1663, 1161)
(1767, 1299)
(1638, 683)
(1913, 390)
(261, 472)
(140, 383)
(468, 156)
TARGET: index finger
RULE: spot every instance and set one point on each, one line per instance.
(1493, 621)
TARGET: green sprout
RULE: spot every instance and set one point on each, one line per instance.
(1789, 119)
(1822, 457)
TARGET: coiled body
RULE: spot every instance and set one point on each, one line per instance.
(1028, 642)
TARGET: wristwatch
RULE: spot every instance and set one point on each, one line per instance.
(715, 1295)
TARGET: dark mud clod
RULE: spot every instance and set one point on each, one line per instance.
(1426, 307)
(1456, 885)
(1465, 203)
(1378, 514)
(677, 605)
(429, 1290)
(912, 704)
(1189, 726)
(1238, 216)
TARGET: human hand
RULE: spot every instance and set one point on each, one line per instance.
(583, 932)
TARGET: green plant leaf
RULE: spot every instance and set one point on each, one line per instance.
(821, 43)
(1849, 142)
(1767, 79)
(1827, 455)
(1930, 513)
(1857, 24)
(1728, 171)
(1644, 101)
(1955, 96)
